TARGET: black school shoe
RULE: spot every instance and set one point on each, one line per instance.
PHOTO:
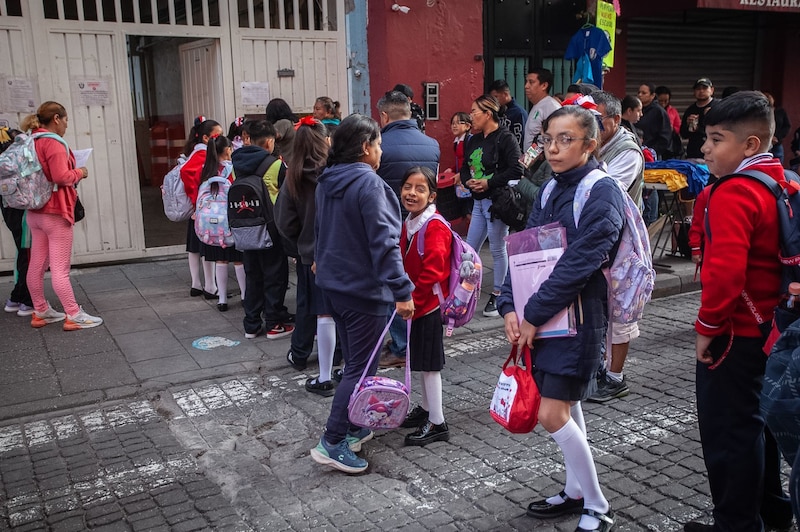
(428, 433)
(323, 388)
(297, 363)
(606, 520)
(544, 509)
(415, 418)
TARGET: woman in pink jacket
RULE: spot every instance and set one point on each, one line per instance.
(51, 226)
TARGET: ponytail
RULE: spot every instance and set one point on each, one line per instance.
(216, 145)
(201, 128)
(44, 115)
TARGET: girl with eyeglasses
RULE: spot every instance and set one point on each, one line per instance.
(565, 367)
(491, 159)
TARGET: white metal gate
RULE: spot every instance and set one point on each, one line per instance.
(58, 44)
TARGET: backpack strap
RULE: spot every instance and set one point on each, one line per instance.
(437, 288)
(54, 137)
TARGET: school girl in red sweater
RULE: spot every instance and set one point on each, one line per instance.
(418, 194)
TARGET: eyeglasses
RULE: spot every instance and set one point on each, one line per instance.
(563, 141)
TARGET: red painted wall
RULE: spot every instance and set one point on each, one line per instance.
(429, 44)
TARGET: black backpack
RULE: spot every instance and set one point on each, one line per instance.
(251, 214)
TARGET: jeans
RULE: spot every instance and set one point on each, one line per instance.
(397, 330)
(358, 333)
(482, 226)
(650, 200)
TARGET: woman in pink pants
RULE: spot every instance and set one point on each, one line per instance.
(51, 226)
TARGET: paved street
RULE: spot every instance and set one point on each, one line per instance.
(139, 425)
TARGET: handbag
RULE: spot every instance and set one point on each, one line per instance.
(381, 402)
(80, 212)
(515, 403)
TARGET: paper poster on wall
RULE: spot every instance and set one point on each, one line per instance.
(18, 95)
(91, 92)
(255, 93)
(607, 21)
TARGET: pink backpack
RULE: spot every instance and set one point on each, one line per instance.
(466, 271)
(211, 214)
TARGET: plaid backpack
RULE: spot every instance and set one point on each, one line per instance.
(23, 184)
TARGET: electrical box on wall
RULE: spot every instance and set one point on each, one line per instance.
(431, 100)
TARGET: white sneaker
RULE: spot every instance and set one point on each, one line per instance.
(81, 320)
(40, 319)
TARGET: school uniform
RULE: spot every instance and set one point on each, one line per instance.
(426, 347)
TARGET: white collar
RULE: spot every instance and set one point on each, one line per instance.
(755, 159)
(413, 225)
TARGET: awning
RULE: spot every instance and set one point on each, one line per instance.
(786, 6)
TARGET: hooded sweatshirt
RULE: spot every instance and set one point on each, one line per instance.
(357, 231)
(295, 216)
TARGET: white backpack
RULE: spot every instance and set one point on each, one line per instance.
(211, 216)
(23, 184)
(631, 276)
(177, 205)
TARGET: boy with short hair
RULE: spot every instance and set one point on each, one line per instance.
(267, 270)
(741, 279)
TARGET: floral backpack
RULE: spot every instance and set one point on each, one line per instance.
(23, 184)
(631, 276)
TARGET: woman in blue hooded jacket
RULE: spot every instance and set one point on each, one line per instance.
(359, 268)
(565, 368)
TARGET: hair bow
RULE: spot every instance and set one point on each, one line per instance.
(306, 121)
(199, 120)
(587, 102)
(239, 121)
(214, 136)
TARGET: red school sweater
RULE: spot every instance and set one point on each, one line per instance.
(741, 269)
(433, 267)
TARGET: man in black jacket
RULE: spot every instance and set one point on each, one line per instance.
(654, 123)
(693, 126)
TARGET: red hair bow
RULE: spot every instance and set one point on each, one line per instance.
(215, 135)
(306, 121)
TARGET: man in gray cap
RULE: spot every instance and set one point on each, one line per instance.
(693, 126)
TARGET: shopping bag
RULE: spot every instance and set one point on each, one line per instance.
(515, 403)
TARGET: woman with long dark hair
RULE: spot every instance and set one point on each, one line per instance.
(359, 269)
(295, 210)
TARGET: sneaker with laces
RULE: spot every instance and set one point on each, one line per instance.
(490, 310)
(81, 320)
(24, 310)
(11, 306)
(355, 439)
(279, 331)
(338, 456)
(51, 315)
(608, 389)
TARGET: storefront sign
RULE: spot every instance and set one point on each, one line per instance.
(787, 6)
(607, 21)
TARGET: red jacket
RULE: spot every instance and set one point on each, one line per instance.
(697, 229)
(740, 258)
(433, 267)
(190, 173)
(59, 168)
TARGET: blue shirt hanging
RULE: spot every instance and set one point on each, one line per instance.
(589, 45)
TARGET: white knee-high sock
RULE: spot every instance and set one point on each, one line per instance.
(572, 488)
(194, 269)
(222, 281)
(424, 392)
(326, 343)
(432, 384)
(209, 276)
(577, 454)
(241, 278)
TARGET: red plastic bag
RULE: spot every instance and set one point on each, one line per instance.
(515, 403)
